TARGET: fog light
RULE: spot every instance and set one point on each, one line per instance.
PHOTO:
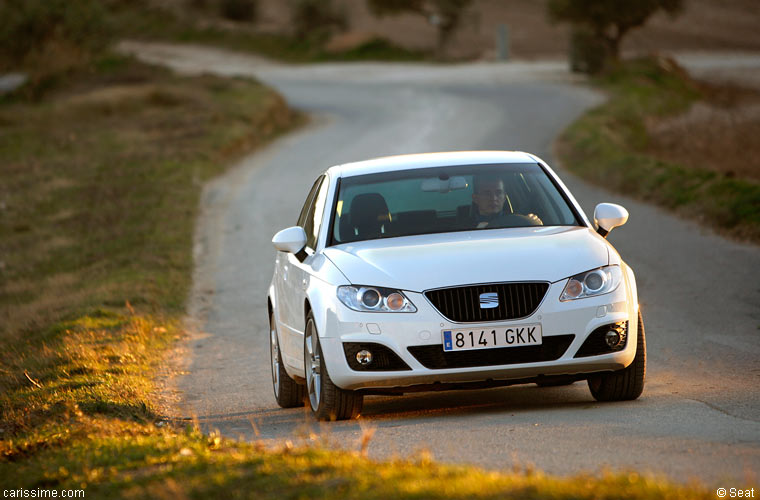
(612, 338)
(364, 357)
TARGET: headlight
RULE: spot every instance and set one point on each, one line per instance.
(592, 283)
(374, 299)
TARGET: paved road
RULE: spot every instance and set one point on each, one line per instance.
(699, 416)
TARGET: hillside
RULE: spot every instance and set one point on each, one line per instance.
(704, 25)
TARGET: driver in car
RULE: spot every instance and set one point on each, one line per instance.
(490, 206)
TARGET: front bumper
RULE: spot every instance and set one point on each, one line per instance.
(572, 322)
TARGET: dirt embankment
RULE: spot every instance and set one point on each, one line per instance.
(718, 132)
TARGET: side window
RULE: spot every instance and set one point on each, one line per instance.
(307, 204)
(314, 216)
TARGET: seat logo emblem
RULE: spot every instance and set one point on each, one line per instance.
(489, 300)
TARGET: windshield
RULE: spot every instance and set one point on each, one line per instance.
(445, 199)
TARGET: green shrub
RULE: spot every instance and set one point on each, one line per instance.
(238, 10)
(51, 33)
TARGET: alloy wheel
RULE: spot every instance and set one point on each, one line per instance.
(313, 366)
(275, 356)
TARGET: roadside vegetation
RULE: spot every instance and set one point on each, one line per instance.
(314, 36)
(666, 138)
(101, 181)
(62, 34)
(285, 48)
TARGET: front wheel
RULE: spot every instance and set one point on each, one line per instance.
(625, 384)
(327, 401)
(287, 392)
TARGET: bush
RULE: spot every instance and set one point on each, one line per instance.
(238, 10)
(57, 32)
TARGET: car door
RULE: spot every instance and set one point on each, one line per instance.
(283, 283)
(300, 268)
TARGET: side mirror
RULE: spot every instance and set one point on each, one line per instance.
(608, 216)
(291, 240)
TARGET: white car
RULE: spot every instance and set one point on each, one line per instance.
(449, 271)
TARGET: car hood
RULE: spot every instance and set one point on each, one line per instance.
(422, 262)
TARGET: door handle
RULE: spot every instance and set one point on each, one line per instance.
(304, 283)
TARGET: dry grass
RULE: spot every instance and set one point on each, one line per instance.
(101, 181)
(718, 133)
(659, 138)
(94, 365)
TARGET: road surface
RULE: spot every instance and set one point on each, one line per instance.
(699, 417)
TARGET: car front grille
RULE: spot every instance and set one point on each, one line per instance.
(465, 304)
(435, 358)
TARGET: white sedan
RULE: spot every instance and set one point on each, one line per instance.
(449, 270)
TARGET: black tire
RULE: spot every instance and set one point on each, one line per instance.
(625, 384)
(287, 392)
(330, 402)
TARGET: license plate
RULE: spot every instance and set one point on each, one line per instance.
(483, 337)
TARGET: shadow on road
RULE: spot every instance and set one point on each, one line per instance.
(407, 410)
(456, 403)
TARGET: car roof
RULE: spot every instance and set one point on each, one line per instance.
(412, 161)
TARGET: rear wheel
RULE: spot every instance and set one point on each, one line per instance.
(287, 392)
(327, 401)
(625, 384)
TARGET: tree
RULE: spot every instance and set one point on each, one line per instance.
(445, 15)
(608, 21)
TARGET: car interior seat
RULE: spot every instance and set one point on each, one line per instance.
(369, 217)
